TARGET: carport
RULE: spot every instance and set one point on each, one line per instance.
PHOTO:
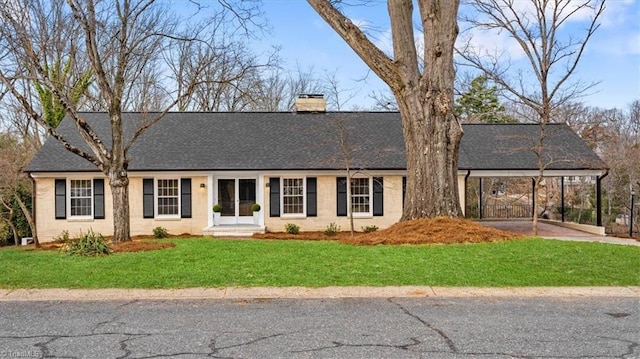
(526, 151)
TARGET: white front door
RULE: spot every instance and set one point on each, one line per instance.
(236, 196)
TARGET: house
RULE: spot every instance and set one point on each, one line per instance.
(291, 163)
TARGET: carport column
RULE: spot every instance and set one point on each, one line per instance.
(480, 200)
(599, 200)
(533, 197)
(562, 197)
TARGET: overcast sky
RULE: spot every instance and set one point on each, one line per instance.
(612, 57)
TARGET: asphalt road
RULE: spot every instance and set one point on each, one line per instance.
(488, 327)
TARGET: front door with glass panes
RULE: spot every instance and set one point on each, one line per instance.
(236, 196)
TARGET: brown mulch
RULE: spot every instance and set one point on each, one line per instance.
(441, 230)
(305, 236)
(140, 246)
(137, 244)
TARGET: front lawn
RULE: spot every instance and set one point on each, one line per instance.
(206, 262)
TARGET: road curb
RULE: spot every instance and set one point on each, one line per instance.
(309, 293)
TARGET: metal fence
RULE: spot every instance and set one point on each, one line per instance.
(500, 211)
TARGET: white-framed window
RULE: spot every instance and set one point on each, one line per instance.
(361, 189)
(293, 199)
(168, 197)
(80, 198)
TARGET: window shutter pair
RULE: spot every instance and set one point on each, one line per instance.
(274, 197)
(148, 210)
(378, 196)
(61, 198)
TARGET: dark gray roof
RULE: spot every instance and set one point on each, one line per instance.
(511, 147)
(298, 141)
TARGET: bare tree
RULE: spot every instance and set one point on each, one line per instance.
(121, 41)
(620, 148)
(337, 96)
(15, 153)
(227, 73)
(423, 88)
(537, 28)
(278, 90)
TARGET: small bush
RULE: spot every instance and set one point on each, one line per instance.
(292, 228)
(217, 208)
(160, 232)
(63, 237)
(369, 229)
(331, 230)
(88, 245)
(255, 207)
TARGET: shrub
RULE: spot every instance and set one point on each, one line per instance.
(369, 229)
(331, 230)
(217, 208)
(88, 245)
(160, 232)
(255, 207)
(63, 237)
(292, 228)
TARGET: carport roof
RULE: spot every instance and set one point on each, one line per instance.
(307, 141)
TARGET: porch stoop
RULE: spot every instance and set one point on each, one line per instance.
(233, 230)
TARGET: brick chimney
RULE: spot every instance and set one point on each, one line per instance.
(311, 103)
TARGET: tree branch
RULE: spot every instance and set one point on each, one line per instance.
(377, 60)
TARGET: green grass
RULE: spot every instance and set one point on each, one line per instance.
(206, 262)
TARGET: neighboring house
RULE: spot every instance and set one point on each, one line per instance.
(291, 163)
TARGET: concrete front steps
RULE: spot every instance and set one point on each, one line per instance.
(233, 230)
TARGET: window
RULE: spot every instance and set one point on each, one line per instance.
(293, 201)
(80, 197)
(168, 200)
(361, 196)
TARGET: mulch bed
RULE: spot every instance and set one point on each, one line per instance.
(137, 244)
(441, 230)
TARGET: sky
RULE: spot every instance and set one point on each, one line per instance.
(612, 56)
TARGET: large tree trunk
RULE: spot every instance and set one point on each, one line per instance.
(432, 159)
(423, 87)
(432, 132)
(119, 183)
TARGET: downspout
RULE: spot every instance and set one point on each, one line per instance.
(466, 196)
(34, 230)
(599, 198)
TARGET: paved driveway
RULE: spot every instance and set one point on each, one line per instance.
(547, 230)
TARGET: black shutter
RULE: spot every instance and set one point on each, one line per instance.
(61, 198)
(147, 198)
(404, 189)
(312, 197)
(98, 198)
(274, 196)
(378, 199)
(341, 185)
(185, 198)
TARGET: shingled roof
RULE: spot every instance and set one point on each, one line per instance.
(252, 141)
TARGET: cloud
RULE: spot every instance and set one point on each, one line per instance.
(384, 41)
(620, 12)
(619, 34)
(491, 42)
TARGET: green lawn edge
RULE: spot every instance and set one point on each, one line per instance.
(216, 263)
